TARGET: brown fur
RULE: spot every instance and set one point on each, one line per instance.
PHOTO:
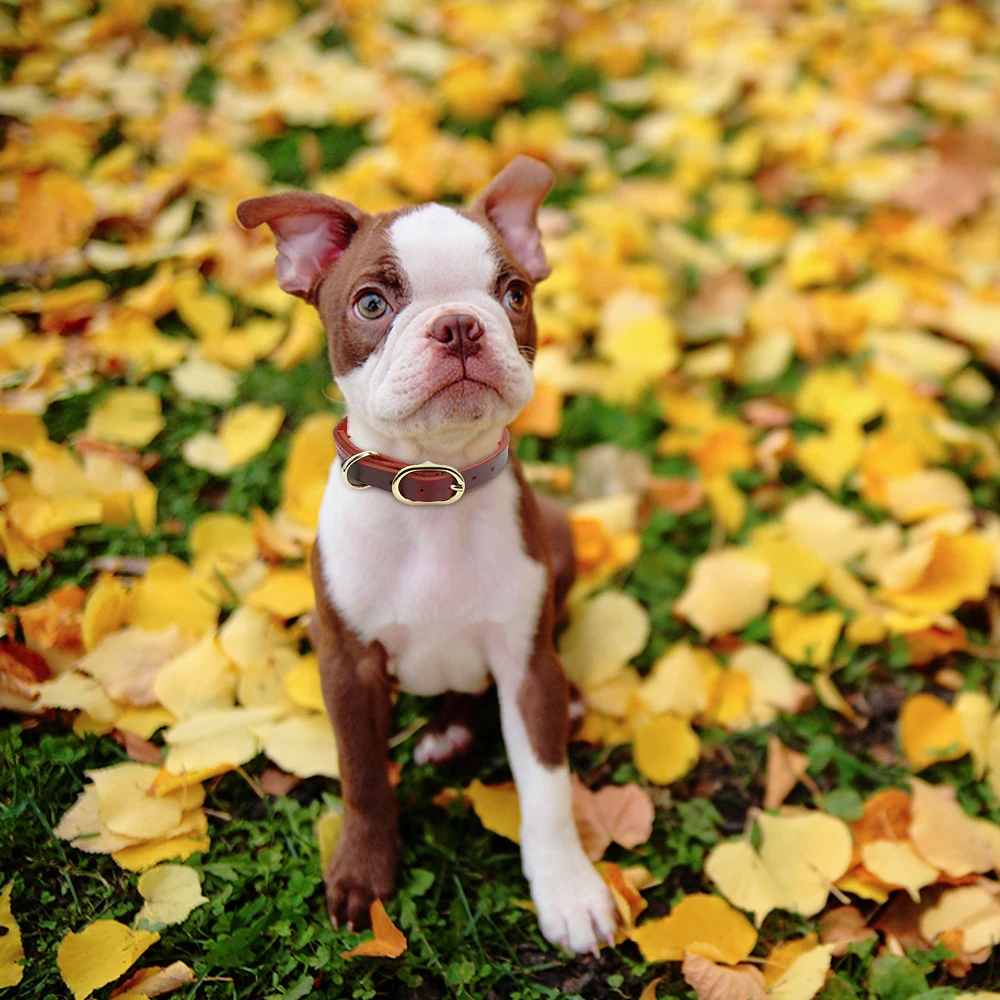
(357, 692)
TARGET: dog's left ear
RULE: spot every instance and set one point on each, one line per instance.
(312, 231)
(511, 202)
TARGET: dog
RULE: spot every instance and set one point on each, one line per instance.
(436, 568)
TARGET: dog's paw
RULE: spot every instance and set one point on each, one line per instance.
(574, 906)
(440, 746)
(361, 871)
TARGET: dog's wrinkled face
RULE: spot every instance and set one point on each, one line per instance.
(428, 310)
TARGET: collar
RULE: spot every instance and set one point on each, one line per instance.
(426, 483)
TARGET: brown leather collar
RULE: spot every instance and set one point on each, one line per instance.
(428, 482)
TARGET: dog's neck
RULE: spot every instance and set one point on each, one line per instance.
(457, 447)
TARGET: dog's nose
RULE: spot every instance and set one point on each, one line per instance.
(459, 333)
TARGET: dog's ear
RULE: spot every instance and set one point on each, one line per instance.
(312, 231)
(511, 202)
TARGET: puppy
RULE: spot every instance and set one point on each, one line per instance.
(433, 565)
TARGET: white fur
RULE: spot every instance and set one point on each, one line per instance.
(449, 591)
(450, 267)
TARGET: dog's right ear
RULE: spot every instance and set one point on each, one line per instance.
(312, 231)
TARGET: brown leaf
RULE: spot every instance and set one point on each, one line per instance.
(277, 783)
(842, 927)
(21, 670)
(137, 748)
(784, 769)
(155, 980)
(721, 982)
(619, 813)
(720, 307)
(676, 494)
(55, 620)
(766, 413)
(957, 185)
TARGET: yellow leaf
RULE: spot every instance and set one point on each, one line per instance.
(99, 954)
(222, 542)
(244, 433)
(304, 340)
(665, 749)
(676, 683)
(795, 570)
(782, 956)
(302, 683)
(11, 949)
(105, 610)
(804, 979)
(829, 458)
(726, 590)
(946, 837)
(170, 892)
(834, 533)
(925, 494)
(701, 924)
(127, 416)
(200, 679)
(301, 744)
(208, 315)
(20, 431)
(497, 807)
(303, 481)
(543, 415)
(327, 831)
(959, 570)
(604, 633)
(930, 731)
(896, 863)
(286, 593)
(127, 662)
(387, 941)
(805, 638)
(127, 806)
(728, 502)
(975, 710)
(213, 738)
(837, 396)
(199, 378)
(169, 594)
(801, 855)
(972, 909)
(143, 856)
(773, 686)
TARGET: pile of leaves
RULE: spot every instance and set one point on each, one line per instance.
(768, 358)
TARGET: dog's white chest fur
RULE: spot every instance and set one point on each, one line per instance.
(448, 591)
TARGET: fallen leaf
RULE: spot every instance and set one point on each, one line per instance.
(621, 814)
(726, 590)
(127, 416)
(11, 949)
(843, 926)
(170, 892)
(665, 749)
(387, 940)
(805, 977)
(946, 836)
(99, 954)
(156, 980)
(805, 638)
(699, 924)
(930, 731)
(898, 865)
(497, 807)
(719, 982)
(973, 910)
(604, 633)
(801, 855)
(784, 769)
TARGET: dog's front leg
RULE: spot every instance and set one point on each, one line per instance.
(357, 693)
(573, 903)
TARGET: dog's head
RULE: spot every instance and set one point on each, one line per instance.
(428, 310)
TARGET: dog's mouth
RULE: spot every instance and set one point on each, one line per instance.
(462, 386)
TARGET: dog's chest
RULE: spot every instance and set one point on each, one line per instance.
(447, 590)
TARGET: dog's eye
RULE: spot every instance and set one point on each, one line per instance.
(516, 298)
(371, 305)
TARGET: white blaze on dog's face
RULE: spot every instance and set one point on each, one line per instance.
(428, 310)
(451, 357)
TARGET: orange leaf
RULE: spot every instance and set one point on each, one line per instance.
(388, 940)
(623, 814)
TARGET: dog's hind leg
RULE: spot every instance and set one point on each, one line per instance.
(452, 731)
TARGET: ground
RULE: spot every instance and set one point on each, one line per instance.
(775, 293)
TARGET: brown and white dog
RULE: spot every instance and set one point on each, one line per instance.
(431, 338)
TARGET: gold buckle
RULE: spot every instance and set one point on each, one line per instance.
(458, 486)
(345, 467)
